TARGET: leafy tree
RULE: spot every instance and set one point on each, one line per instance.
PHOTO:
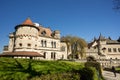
(116, 4)
(76, 45)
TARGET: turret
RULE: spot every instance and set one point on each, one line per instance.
(57, 34)
(26, 36)
(11, 42)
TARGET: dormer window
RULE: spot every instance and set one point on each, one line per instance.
(43, 33)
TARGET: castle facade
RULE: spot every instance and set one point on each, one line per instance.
(104, 48)
(31, 40)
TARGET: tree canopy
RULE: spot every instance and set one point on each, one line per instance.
(76, 45)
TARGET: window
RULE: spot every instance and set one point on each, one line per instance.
(42, 43)
(35, 45)
(118, 49)
(20, 44)
(45, 43)
(29, 45)
(109, 49)
(63, 48)
(53, 55)
(44, 54)
(114, 49)
(43, 33)
(54, 44)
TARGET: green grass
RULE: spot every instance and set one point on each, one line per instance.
(26, 69)
(118, 69)
(23, 69)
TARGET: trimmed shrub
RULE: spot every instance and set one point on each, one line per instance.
(96, 65)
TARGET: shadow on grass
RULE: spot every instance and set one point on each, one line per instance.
(19, 69)
(29, 70)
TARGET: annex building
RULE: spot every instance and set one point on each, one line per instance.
(31, 40)
(104, 48)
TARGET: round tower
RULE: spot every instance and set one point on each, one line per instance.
(26, 36)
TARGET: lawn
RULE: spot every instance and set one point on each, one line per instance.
(22, 69)
(28, 69)
(117, 69)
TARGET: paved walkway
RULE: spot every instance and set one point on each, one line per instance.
(110, 76)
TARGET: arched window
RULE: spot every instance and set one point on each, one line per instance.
(54, 55)
(45, 43)
(52, 44)
(51, 55)
(42, 43)
(44, 54)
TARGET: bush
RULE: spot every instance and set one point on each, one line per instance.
(96, 65)
(58, 76)
(88, 74)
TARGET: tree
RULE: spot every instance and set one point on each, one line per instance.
(76, 45)
(116, 4)
(67, 41)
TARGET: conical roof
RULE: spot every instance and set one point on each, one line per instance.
(28, 22)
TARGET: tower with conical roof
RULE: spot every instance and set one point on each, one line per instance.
(26, 36)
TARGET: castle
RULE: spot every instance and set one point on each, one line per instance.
(104, 48)
(31, 40)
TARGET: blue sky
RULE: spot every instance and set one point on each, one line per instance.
(82, 18)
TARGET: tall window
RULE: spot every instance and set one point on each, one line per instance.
(109, 49)
(42, 43)
(54, 44)
(118, 49)
(53, 55)
(44, 54)
(114, 49)
(45, 43)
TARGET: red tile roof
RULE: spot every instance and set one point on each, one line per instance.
(28, 22)
(22, 53)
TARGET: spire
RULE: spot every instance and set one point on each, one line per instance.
(95, 38)
(109, 38)
(28, 21)
(101, 37)
(118, 39)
